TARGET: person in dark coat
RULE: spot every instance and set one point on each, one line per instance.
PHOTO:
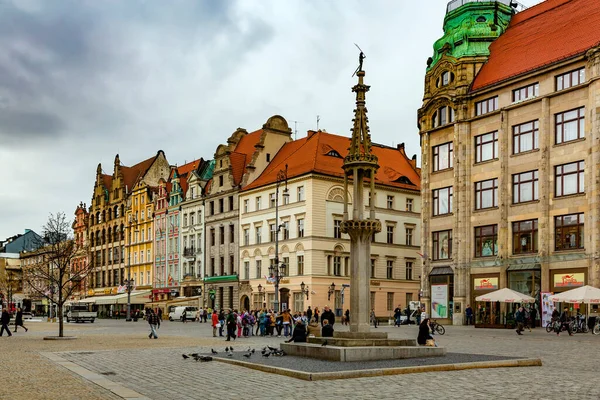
(328, 315)
(19, 320)
(309, 314)
(424, 332)
(327, 330)
(532, 316)
(4, 320)
(299, 333)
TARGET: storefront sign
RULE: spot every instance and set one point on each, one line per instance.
(485, 283)
(439, 301)
(569, 280)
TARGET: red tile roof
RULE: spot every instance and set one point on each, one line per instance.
(135, 172)
(107, 181)
(309, 154)
(549, 32)
(242, 154)
(184, 172)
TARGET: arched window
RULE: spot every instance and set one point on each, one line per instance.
(443, 116)
(445, 79)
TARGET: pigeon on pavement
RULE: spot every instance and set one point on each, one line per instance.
(266, 354)
(253, 350)
(213, 351)
(248, 355)
(227, 349)
(205, 358)
(184, 356)
(324, 344)
(194, 355)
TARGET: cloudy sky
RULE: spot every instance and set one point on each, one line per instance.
(81, 81)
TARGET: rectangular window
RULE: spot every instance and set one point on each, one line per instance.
(443, 156)
(486, 106)
(257, 203)
(525, 93)
(300, 265)
(442, 201)
(221, 235)
(272, 200)
(569, 232)
(212, 237)
(221, 205)
(301, 227)
(390, 202)
(246, 237)
(221, 180)
(231, 205)
(390, 269)
(212, 266)
(409, 270)
(526, 137)
(409, 236)
(486, 241)
(258, 269)
(246, 269)
(212, 208)
(569, 125)
(571, 78)
(192, 219)
(246, 201)
(486, 147)
(231, 233)
(286, 230)
(525, 236)
(372, 269)
(568, 179)
(273, 232)
(300, 193)
(442, 245)
(390, 301)
(486, 194)
(337, 228)
(409, 205)
(390, 234)
(525, 187)
(222, 266)
(258, 235)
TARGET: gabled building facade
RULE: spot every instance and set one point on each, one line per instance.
(239, 162)
(509, 140)
(81, 260)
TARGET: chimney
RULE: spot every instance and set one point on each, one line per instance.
(400, 146)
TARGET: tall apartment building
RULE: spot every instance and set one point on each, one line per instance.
(236, 164)
(312, 248)
(509, 134)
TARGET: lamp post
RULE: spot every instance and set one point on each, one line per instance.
(304, 290)
(261, 295)
(330, 291)
(132, 219)
(275, 271)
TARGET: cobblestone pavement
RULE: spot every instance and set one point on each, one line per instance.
(156, 369)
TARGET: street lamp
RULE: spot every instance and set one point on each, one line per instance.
(129, 281)
(304, 289)
(275, 270)
(331, 290)
(261, 294)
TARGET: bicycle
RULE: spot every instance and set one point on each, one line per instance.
(580, 325)
(435, 327)
(596, 330)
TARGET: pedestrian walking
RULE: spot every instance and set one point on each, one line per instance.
(373, 318)
(4, 320)
(231, 325)
(564, 322)
(397, 315)
(469, 314)
(309, 313)
(221, 322)
(215, 323)
(286, 320)
(19, 320)
(347, 317)
(154, 323)
(316, 314)
(533, 316)
(205, 315)
(520, 320)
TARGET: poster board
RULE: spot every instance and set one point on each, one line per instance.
(547, 308)
(439, 301)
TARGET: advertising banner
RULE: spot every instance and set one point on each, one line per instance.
(439, 301)
(547, 308)
(569, 280)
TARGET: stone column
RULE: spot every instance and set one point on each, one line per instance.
(425, 218)
(360, 263)
(592, 115)
(545, 223)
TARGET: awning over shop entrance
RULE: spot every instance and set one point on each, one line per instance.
(524, 267)
(441, 271)
(122, 298)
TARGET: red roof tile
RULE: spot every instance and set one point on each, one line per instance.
(549, 32)
(107, 181)
(242, 154)
(309, 154)
(135, 172)
(184, 172)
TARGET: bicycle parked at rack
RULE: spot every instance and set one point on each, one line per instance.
(436, 328)
(596, 330)
(580, 324)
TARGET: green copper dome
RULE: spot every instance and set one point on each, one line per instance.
(470, 28)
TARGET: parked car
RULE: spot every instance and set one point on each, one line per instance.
(180, 312)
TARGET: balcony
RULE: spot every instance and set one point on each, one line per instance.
(189, 251)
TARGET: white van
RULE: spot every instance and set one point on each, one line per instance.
(177, 313)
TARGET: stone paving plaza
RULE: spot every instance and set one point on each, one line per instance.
(122, 354)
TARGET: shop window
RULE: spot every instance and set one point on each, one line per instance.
(526, 92)
(525, 187)
(526, 137)
(442, 245)
(443, 157)
(486, 241)
(568, 179)
(486, 194)
(525, 236)
(569, 230)
(486, 147)
(569, 125)
(442, 201)
(486, 106)
(571, 78)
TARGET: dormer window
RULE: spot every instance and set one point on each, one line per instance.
(443, 116)
(333, 153)
(445, 79)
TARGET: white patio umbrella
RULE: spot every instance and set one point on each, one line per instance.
(505, 295)
(585, 294)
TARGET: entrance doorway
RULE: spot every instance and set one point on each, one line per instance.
(284, 298)
(245, 302)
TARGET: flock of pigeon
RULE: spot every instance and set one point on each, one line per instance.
(266, 352)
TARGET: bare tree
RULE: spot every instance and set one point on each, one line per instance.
(52, 274)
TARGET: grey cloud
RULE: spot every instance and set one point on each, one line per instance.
(29, 124)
